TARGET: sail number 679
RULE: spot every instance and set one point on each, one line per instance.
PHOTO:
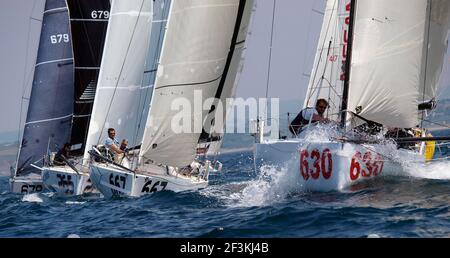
(59, 38)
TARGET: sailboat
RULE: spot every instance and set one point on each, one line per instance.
(50, 108)
(200, 54)
(89, 21)
(378, 65)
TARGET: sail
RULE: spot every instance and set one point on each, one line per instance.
(213, 130)
(121, 75)
(196, 56)
(160, 13)
(89, 21)
(437, 46)
(328, 74)
(50, 108)
(386, 65)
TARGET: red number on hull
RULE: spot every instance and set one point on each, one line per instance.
(372, 166)
(322, 164)
(304, 167)
(326, 173)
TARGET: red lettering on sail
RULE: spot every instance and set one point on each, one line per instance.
(345, 41)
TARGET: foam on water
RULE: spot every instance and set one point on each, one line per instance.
(34, 197)
(439, 170)
(74, 202)
(272, 184)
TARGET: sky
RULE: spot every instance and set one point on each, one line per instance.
(296, 30)
(295, 35)
(18, 49)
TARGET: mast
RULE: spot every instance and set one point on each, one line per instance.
(348, 63)
(429, 3)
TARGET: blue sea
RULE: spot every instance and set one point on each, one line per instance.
(240, 202)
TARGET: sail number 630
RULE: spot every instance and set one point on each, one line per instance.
(322, 163)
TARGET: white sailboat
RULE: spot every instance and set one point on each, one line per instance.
(201, 53)
(378, 64)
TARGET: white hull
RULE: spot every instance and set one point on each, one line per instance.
(65, 181)
(26, 184)
(329, 166)
(112, 181)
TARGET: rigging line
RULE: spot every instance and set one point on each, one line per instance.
(120, 73)
(270, 57)
(426, 57)
(25, 80)
(270, 50)
(24, 75)
(431, 122)
(313, 79)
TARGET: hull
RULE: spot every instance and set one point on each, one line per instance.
(331, 166)
(113, 181)
(26, 184)
(66, 182)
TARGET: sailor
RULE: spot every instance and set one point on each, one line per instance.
(304, 116)
(113, 145)
(62, 155)
(124, 145)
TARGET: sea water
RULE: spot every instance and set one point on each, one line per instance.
(242, 201)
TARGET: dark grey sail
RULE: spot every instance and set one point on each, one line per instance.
(50, 109)
(160, 14)
(88, 22)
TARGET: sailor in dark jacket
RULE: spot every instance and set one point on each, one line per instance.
(304, 116)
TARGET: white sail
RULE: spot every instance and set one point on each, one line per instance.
(327, 77)
(437, 48)
(121, 75)
(385, 75)
(213, 126)
(196, 52)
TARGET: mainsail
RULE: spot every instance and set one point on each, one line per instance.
(327, 77)
(197, 57)
(397, 55)
(121, 76)
(50, 109)
(89, 22)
